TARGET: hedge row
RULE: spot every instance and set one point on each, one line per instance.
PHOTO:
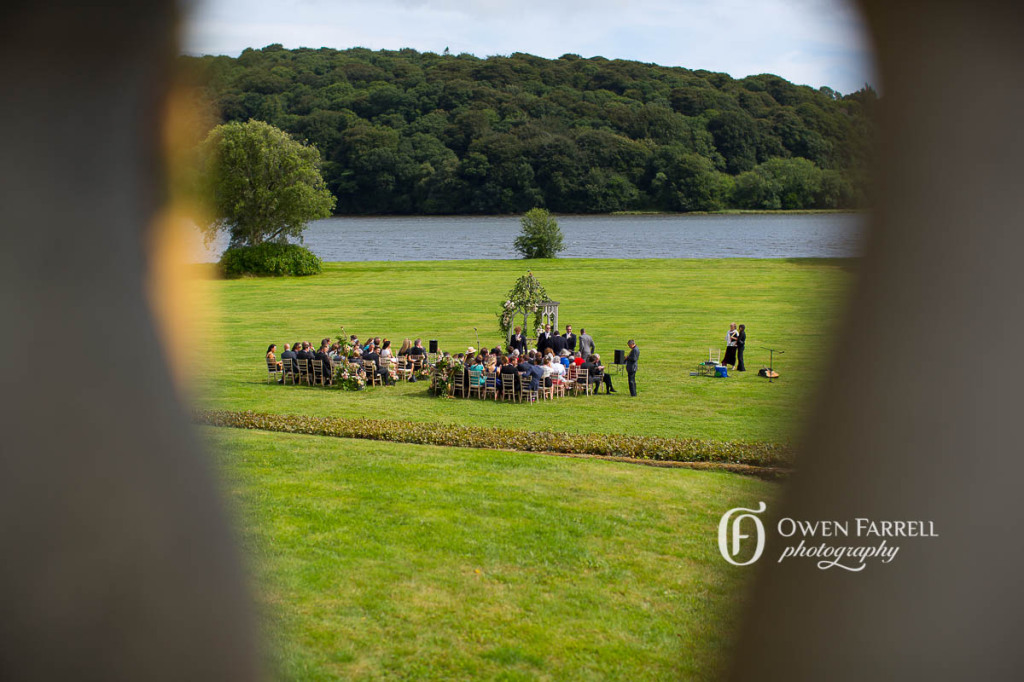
(421, 433)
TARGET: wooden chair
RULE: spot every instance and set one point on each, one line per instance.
(273, 372)
(290, 371)
(558, 387)
(475, 382)
(582, 382)
(508, 388)
(491, 385)
(403, 368)
(547, 388)
(570, 378)
(528, 395)
(318, 372)
(304, 374)
(459, 384)
(372, 377)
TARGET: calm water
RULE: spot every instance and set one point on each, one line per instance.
(831, 235)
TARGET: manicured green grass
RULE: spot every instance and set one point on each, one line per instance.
(376, 560)
(675, 309)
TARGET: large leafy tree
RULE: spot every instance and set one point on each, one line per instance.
(261, 185)
(541, 237)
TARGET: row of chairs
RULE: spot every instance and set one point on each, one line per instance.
(312, 372)
(485, 385)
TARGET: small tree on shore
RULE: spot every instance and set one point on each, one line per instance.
(260, 184)
(541, 237)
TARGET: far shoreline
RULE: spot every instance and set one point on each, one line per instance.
(614, 214)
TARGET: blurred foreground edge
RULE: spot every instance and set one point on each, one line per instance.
(920, 415)
(118, 560)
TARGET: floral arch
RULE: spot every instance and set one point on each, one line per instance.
(527, 298)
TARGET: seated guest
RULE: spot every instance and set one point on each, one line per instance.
(558, 370)
(370, 355)
(577, 358)
(288, 354)
(406, 347)
(604, 375)
(417, 349)
(565, 358)
(507, 368)
(271, 349)
(531, 373)
(385, 350)
(477, 366)
(328, 364)
(593, 373)
(306, 354)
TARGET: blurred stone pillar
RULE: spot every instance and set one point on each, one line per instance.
(118, 564)
(921, 415)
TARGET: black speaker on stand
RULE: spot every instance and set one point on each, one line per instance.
(620, 360)
(433, 346)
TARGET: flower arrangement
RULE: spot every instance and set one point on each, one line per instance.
(444, 376)
(345, 344)
(348, 379)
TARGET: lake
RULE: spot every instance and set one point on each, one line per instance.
(397, 238)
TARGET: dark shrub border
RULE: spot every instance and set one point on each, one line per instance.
(754, 454)
(270, 259)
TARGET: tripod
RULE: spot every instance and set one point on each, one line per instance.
(771, 358)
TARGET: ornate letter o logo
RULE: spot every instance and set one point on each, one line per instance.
(725, 533)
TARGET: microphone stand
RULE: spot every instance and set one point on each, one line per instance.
(477, 338)
(771, 357)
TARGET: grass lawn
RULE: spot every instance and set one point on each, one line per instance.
(675, 309)
(376, 560)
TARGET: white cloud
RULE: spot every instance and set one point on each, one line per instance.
(815, 42)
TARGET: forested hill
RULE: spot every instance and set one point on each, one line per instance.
(410, 132)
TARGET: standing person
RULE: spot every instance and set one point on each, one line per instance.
(586, 343)
(632, 360)
(556, 343)
(741, 342)
(730, 346)
(542, 338)
(518, 340)
(570, 339)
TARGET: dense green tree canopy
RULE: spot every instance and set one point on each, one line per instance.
(260, 184)
(541, 237)
(410, 132)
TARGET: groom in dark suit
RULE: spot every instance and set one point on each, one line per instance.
(632, 360)
(570, 338)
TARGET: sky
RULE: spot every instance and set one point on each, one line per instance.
(809, 42)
